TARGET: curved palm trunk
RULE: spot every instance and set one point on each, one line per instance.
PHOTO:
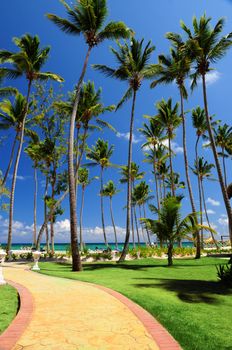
(35, 204)
(112, 219)
(136, 225)
(171, 168)
(81, 217)
(224, 165)
(213, 146)
(206, 214)
(128, 209)
(76, 260)
(11, 159)
(148, 237)
(11, 210)
(198, 240)
(102, 209)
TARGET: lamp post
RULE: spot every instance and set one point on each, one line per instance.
(2, 258)
(36, 256)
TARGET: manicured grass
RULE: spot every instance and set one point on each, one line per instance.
(186, 298)
(8, 306)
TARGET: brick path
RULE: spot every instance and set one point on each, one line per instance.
(62, 314)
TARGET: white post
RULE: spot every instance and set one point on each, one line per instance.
(2, 258)
(36, 256)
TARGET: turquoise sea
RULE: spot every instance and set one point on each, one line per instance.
(64, 246)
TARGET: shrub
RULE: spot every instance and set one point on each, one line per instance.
(224, 273)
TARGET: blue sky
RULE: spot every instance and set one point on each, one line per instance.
(150, 20)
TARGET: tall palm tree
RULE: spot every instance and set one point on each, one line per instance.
(140, 197)
(100, 155)
(206, 45)
(84, 181)
(33, 151)
(169, 119)
(133, 67)
(223, 136)
(85, 18)
(134, 176)
(110, 190)
(27, 62)
(154, 136)
(203, 171)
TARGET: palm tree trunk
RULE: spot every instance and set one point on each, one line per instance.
(132, 227)
(128, 209)
(156, 183)
(112, 219)
(102, 209)
(170, 251)
(81, 217)
(45, 215)
(224, 165)
(11, 159)
(170, 162)
(52, 210)
(206, 214)
(76, 260)
(140, 214)
(136, 224)
(201, 215)
(198, 240)
(148, 237)
(213, 146)
(35, 204)
(11, 210)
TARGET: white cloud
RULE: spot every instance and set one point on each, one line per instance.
(212, 77)
(126, 136)
(223, 220)
(19, 177)
(210, 211)
(213, 202)
(213, 225)
(176, 148)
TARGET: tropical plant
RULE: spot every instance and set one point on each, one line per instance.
(85, 18)
(110, 190)
(205, 45)
(169, 119)
(27, 62)
(133, 67)
(100, 155)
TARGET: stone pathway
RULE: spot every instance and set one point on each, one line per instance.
(71, 315)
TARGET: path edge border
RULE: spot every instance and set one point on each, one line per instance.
(11, 335)
(161, 336)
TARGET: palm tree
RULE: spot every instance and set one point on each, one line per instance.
(135, 176)
(203, 171)
(33, 151)
(86, 18)
(133, 67)
(205, 46)
(140, 197)
(28, 62)
(110, 190)
(169, 119)
(100, 155)
(223, 136)
(84, 181)
(154, 136)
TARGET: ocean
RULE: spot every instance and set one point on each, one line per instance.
(93, 246)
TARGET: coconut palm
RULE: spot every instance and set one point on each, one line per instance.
(133, 67)
(203, 171)
(223, 136)
(100, 155)
(110, 190)
(84, 18)
(33, 151)
(169, 119)
(27, 62)
(135, 176)
(206, 45)
(140, 198)
(83, 181)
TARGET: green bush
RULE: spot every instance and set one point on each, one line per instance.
(224, 273)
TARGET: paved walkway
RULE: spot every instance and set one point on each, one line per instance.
(71, 315)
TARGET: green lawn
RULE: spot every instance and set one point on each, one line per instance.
(8, 306)
(186, 298)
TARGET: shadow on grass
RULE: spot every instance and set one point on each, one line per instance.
(191, 291)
